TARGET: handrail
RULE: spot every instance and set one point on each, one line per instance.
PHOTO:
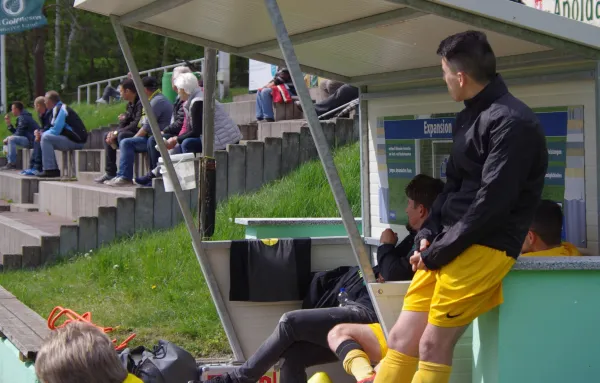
(120, 78)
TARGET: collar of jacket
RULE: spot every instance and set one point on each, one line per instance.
(493, 91)
(137, 100)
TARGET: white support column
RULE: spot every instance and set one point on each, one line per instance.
(211, 281)
(224, 77)
(364, 164)
(3, 94)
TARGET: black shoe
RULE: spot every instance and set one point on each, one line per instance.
(269, 119)
(145, 180)
(9, 166)
(55, 173)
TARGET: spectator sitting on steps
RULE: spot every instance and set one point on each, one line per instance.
(45, 117)
(343, 94)
(66, 132)
(77, 353)
(544, 236)
(139, 143)
(128, 127)
(190, 141)
(109, 92)
(172, 130)
(264, 96)
(22, 134)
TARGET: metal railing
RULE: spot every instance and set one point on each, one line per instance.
(100, 85)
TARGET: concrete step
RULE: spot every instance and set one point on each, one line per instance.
(242, 112)
(4, 206)
(89, 160)
(88, 177)
(31, 232)
(73, 200)
(23, 208)
(276, 129)
(17, 188)
(36, 198)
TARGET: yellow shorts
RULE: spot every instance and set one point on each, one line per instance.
(378, 332)
(462, 290)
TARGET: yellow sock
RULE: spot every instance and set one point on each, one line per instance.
(432, 373)
(397, 368)
(357, 363)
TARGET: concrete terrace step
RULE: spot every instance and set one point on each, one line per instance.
(17, 188)
(4, 206)
(23, 207)
(242, 112)
(73, 200)
(276, 129)
(20, 232)
(88, 177)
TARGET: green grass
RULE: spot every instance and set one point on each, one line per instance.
(234, 92)
(152, 284)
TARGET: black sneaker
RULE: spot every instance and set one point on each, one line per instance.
(145, 180)
(9, 166)
(220, 379)
(103, 179)
(55, 173)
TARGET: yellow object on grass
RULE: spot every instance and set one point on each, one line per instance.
(320, 377)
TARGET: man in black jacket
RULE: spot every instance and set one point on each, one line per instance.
(495, 177)
(300, 338)
(128, 127)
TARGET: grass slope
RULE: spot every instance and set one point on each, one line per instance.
(152, 284)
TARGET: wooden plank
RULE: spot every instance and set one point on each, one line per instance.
(32, 319)
(19, 334)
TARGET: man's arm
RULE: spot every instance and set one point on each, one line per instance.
(393, 261)
(59, 123)
(433, 224)
(512, 151)
(175, 127)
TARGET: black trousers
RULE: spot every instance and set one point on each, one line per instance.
(300, 339)
(342, 96)
(111, 154)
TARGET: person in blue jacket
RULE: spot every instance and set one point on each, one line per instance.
(66, 132)
(22, 134)
(45, 118)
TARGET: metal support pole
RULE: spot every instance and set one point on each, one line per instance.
(209, 77)
(98, 91)
(89, 95)
(364, 163)
(597, 102)
(287, 49)
(187, 215)
(3, 94)
(79, 95)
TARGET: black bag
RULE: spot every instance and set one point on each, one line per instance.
(166, 363)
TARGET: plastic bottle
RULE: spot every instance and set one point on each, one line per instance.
(343, 297)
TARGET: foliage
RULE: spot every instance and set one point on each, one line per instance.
(152, 284)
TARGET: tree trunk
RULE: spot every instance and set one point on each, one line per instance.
(72, 34)
(57, 41)
(40, 65)
(165, 53)
(26, 57)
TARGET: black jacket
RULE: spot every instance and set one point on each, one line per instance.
(177, 122)
(45, 120)
(495, 177)
(26, 125)
(194, 130)
(326, 285)
(133, 117)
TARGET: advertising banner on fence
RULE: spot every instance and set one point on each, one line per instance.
(21, 15)
(410, 145)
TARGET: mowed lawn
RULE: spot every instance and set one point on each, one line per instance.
(152, 284)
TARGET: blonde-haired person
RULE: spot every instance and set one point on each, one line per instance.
(80, 353)
(190, 139)
(172, 130)
(45, 118)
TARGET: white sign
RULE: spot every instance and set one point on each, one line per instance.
(260, 74)
(587, 11)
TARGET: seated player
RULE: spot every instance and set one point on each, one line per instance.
(544, 236)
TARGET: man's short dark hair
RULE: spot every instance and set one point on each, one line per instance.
(53, 96)
(150, 83)
(471, 53)
(19, 105)
(129, 84)
(547, 223)
(424, 189)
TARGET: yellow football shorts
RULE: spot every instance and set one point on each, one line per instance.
(462, 290)
(378, 332)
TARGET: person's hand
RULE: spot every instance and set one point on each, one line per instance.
(5, 142)
(111, 137)
(171, 143)
(38, 135)
(122, 116)
(7, 119)
(388, 237)
(415, 260)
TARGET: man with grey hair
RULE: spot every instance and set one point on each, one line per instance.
(80, 352)
(172, 130)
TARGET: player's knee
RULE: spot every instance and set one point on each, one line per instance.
(337, 335)
(434, 349)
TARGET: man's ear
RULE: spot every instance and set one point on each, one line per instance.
(423, 211)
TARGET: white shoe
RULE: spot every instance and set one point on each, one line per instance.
(101, 101)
